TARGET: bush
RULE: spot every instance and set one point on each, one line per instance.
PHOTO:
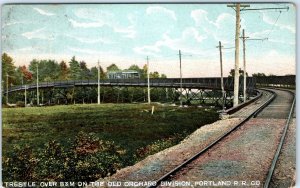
(20, 165)
(20, 104)
(88, 159)
(92, 158)
(159, 145)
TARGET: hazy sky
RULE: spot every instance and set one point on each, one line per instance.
(126, 34)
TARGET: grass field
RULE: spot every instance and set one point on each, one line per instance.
(131, 126)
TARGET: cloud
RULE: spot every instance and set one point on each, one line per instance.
(260, 34)
(189, 38)
(85, 24)
(271, 21)
(94, 14)
(129, 32)
(38, 34)
(90, 40)
(200, 17)
(285, 64)
(159, 9)
(5, 24)
(25, 50)
(87, 51)
(101, 18)
(220, 29)
(282, 41)
(42, 12)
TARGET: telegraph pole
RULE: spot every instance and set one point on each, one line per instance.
(37, 85)
(98, 100)
(221, 67)
(244, 38)
(148, 78)
(241, 7)
(6, 88)
(25, 94)
(180, 78)
(237, 8)
(244, 59)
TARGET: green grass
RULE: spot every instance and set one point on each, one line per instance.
(129, 125)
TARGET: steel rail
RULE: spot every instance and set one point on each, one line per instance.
(177, 168)
(276, 156)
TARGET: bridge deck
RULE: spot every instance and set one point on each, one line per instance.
(192, 83)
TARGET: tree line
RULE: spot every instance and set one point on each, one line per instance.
(51, 70)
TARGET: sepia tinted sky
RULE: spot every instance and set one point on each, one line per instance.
(126, 34)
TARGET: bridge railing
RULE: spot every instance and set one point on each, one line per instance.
(200, 83)
(276, 81)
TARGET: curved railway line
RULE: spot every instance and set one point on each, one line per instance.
(279, 105)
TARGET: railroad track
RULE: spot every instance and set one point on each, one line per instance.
(274, 105)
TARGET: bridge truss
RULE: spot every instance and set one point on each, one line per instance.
(200, 91)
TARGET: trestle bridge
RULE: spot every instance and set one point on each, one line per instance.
(202, 90)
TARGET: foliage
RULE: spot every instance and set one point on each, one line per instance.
(50, 70)
(116, 128)
(8, 68)
(112, 68)
(159, 145)
(20, 164)
(64, 71)
(75, 70)
(258, 74)
(94, 73)
(241, 72)
(88, 159)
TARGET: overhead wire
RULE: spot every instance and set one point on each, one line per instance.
(274, 25)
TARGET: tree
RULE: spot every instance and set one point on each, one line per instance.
(258, 74)
(8, 68)
(154, 74)
(33, 68)
(94, 73)
(24, 75)
(112, 68)
(135, 67)
(241, 72)
(64, 71)
(144, 71)
(85, 72)
(48, 69)
(75, 70)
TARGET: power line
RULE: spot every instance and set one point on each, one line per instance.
(238, 7)
(274, 24)
(287, 8)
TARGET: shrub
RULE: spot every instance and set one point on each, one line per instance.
(92, 158)
(88, 159)
(159, 145)
(20, 104)
(20, 164)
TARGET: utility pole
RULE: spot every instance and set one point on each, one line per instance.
(180, 78)
(6, 88)
(37, 85)
(148, 78)
(221, 67)
(244, 38)
(237, 47)
(98, 100)
(25, 94)
(244, 59)
(241, 7)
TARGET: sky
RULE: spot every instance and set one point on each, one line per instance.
(125, 34)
